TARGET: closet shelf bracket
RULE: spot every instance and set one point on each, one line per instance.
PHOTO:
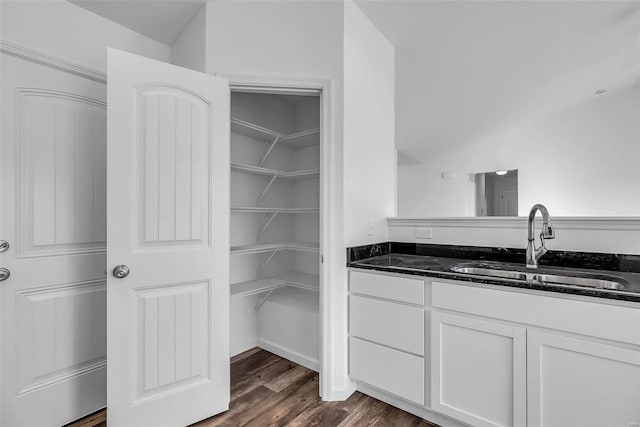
(264, 229)
(275, 251)
(264, 298)
(271, 147)
(271, 181)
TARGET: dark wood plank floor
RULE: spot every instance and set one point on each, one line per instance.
(267, 390)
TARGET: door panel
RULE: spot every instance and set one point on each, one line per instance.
(575, 382)
(174, 344)
(174, 139)
(53, 198)
(478, 370)
(168, 157)
(61, 172)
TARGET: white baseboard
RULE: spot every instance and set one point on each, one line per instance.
(416, 410)
(340, 395)
(245, 347)
(294, 356)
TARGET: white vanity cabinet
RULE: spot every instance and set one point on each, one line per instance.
(578, 382)
(387, 333)
(495, 356)
(578, 360)
(478, 370)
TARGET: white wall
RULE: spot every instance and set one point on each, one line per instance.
(301, 40)
(583, 160)
(66, 31)
(189, 48)
(307, 40)
(369, 118)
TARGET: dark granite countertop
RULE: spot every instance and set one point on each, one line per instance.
(411, 259)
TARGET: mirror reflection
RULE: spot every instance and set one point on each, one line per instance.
(554, 94)
(495, 193)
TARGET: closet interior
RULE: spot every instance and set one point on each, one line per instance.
(275, 194)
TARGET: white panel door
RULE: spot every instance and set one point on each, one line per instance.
(53, 216)
(575, 382)
(478, 370)
(167, 213)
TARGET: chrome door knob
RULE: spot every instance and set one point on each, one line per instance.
(4, 245)
(121, 271)
(4, 274)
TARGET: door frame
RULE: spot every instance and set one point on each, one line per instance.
(331, 247)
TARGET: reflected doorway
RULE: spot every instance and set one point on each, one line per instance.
(496, 193)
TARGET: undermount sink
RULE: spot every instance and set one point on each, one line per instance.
(580, 279)
(480, 271)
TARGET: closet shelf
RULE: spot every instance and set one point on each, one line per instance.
(274, 247)
(257, 170)
(297, 139)
(294, 279)
(252, 209)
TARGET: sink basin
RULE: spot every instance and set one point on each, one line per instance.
(579, 281)
(550, 277)
(480, 271)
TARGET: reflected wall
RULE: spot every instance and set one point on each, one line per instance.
(583, 160)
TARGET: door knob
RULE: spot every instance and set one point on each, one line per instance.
(4, 246)
(121, 271)
(4, 274)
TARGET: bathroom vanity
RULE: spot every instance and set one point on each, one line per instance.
(460, 348)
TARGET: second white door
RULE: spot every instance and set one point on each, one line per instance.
(168, 243)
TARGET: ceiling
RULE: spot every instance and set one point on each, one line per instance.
(161, 20)
(468, 70)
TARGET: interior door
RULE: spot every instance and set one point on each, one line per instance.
(168, 243)
(53, 223)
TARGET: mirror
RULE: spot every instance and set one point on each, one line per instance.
(551, 89)
(494, 193)
(581, 161)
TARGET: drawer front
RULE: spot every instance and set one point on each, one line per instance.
(580, 317)
(390, 370)
(401, 289)
(392, 324)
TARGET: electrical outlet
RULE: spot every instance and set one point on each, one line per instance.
(423, 233)
(371, 228)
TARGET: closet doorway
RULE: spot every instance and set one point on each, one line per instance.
(275, 261)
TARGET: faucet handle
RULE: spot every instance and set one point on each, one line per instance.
(542, 249)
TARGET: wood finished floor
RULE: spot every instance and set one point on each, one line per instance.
(267, 390)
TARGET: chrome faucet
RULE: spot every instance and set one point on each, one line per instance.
(547, 233)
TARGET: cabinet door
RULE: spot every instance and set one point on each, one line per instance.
(478, 370)
(574, 382)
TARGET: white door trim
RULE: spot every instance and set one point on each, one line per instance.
(54, 62)
(331, 245)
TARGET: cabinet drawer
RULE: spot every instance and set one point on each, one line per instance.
(390, 370)
(581, 317)
(401, 289)
(392, 324)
